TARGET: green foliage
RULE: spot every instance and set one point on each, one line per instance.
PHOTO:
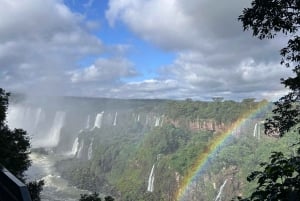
(267, 19)
(14, 144)
(35, 188)
(279, 180)
(108, 198)
(92, 197)
(14, 150)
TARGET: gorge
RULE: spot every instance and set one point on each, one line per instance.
(143, 149)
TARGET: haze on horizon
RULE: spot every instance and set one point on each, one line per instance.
(135, 49)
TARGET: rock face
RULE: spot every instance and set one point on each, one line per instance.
(199, 124)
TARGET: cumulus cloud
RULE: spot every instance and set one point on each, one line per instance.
(214, 55)
(104, 70)
(42, 44)
(39, 42)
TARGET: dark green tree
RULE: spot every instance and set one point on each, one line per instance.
(279, 179)
(91, 197)
(14, 149)
(109, 198)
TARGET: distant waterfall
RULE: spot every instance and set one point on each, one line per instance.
(80, 150)
(138, 118)
(220, 191)
(115, 120)
(38, 118)
(57, 125)
(25, 117)
(75, 147)
(254, 131)
(87, 126)
(98, 120)
(258, 132)
(90, 150)
(157, 121)
(150, 187)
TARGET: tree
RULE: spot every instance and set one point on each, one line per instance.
(108, 198)
(92, 197)
(14, 149)
(279, 180)
(268, 18)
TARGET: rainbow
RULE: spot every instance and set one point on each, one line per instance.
(212, 148)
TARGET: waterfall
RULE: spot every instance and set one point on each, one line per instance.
(80, 149)
(220, 191)
(157, 121)
(258, 132)
(151, 180)
(57, 125)
(115, 120)
(53, 134)
(98, 120)
(87, 126)
(255, 130)
(25, 117)
(90, 150)
(75, 147)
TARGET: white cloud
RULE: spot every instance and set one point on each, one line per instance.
(39, 42)
(214, 55)
(104, 70)
(43, 42)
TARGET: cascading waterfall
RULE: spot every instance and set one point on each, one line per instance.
(75, 147)
(138, 118)
(57, 125)
(53, 136)
(220, 191)
(150, 187)
(255, 130)
(258, 132)
(87, 126)
(80, 150)
(115, 120)
(98, 120)
(90, 150)
(25, 117)
(157, 121)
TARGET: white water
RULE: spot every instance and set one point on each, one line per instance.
(98, 120)
(115, 120)
(90, 150)
(25, 117)
(75, 147)
(258, 132)
(53, 135)
(80, 150)
(220, 191)
(55, 188)
(255, 130)
(157, 121)
(150, 187)
(87, 126)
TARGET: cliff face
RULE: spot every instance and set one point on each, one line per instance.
(199, 124)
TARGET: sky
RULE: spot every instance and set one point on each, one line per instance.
(157, 49)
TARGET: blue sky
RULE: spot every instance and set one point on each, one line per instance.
(170, 49)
